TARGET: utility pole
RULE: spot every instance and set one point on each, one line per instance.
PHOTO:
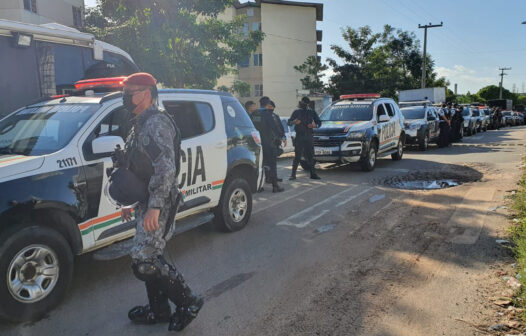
(425, 50)
(502, 74)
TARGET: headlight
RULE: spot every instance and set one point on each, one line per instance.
(356, 135)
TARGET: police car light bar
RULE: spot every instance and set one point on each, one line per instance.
(360, 96)
(100, 83)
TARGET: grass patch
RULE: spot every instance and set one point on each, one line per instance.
(518, 237)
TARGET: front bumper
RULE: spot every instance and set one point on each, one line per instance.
(413, 136)
(338, 151)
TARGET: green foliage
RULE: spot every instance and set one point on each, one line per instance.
(312, 69)
(182, 43)
(492, 92)
(518, 236)
(240, 88)
(469, 98)
(521, 100)
(384, 62)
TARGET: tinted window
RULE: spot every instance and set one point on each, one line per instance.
(348, 112)
(237, 120)
(390, 109)
(380, 111)
(506, 113)
(44, 129)
(285, 126)
(413, 112)
(465, 112)
(476, 113)
(192, 118)
(117, 123)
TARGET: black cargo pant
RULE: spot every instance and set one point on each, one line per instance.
(444, 139)
(304, 147)
(270, 163)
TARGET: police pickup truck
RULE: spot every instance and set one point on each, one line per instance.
(53, 160)
(360, 128)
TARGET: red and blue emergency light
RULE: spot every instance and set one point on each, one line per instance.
(114, 83)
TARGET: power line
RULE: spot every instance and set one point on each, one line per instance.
(425, 27)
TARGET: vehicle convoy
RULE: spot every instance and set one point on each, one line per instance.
(435, 95)
(46, 60)
(507, 118)
(480, 119)
(470, 122)
(360, 128)
(422, 124)
(54, 156)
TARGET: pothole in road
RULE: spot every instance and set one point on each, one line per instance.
(434, 180)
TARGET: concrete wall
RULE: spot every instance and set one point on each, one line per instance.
(290, 37)
(59, 11)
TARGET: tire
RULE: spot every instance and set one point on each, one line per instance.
(461, 132)
(22, 244)
(469, 132)
(368, 163)
(236, 196)
(400, 152)
(424, 144)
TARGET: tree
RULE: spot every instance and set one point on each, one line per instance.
(312, 69)
(384, 62)
(492, 92)
(240, 88)
(182, 43)
(521, 100)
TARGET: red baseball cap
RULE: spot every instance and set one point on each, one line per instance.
(140, 78)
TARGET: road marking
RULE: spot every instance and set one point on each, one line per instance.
(309, 215)
(279, 201)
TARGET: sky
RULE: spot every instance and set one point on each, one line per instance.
(478, 36)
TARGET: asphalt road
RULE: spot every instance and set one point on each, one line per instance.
(313, 259)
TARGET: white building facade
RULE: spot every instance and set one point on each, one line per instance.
(66, 12)
(290, 37)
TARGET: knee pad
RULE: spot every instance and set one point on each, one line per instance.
(146, 270)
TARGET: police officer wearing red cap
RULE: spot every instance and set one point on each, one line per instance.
(151, 154)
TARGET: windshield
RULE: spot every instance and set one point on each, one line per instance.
(487, 112)
(506, 113)
(44, 129)
(348, 112)
(465, 112)
(476, 113)
(413, 112)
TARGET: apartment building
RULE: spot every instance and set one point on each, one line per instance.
(290, 37)
(65, 12)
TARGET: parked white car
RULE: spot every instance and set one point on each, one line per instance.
(290, 134)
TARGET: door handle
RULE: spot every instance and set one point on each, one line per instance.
(221, 144)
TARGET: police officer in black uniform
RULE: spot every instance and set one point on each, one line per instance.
(304, 120)
(151, 156)
(268, 130)
(457, 122)
(445, 126)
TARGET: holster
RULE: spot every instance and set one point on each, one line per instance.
(177, 200)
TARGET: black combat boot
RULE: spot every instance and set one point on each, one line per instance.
(276, 188)
(157, 311)
(188, 304)
(294, 169)
(313, 174)
(184, 315)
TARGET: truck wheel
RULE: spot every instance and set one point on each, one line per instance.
(234, 209)
(36, 267)
(369, 162)
(424, 144)
(400, 151)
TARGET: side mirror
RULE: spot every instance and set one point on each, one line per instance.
(384, 118)
(106, 144)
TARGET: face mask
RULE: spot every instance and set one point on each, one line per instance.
(127, 100)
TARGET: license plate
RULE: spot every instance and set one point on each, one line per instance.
(322, 151)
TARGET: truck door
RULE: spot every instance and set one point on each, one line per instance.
(386, 129)
(105, 222)
(204, 147)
